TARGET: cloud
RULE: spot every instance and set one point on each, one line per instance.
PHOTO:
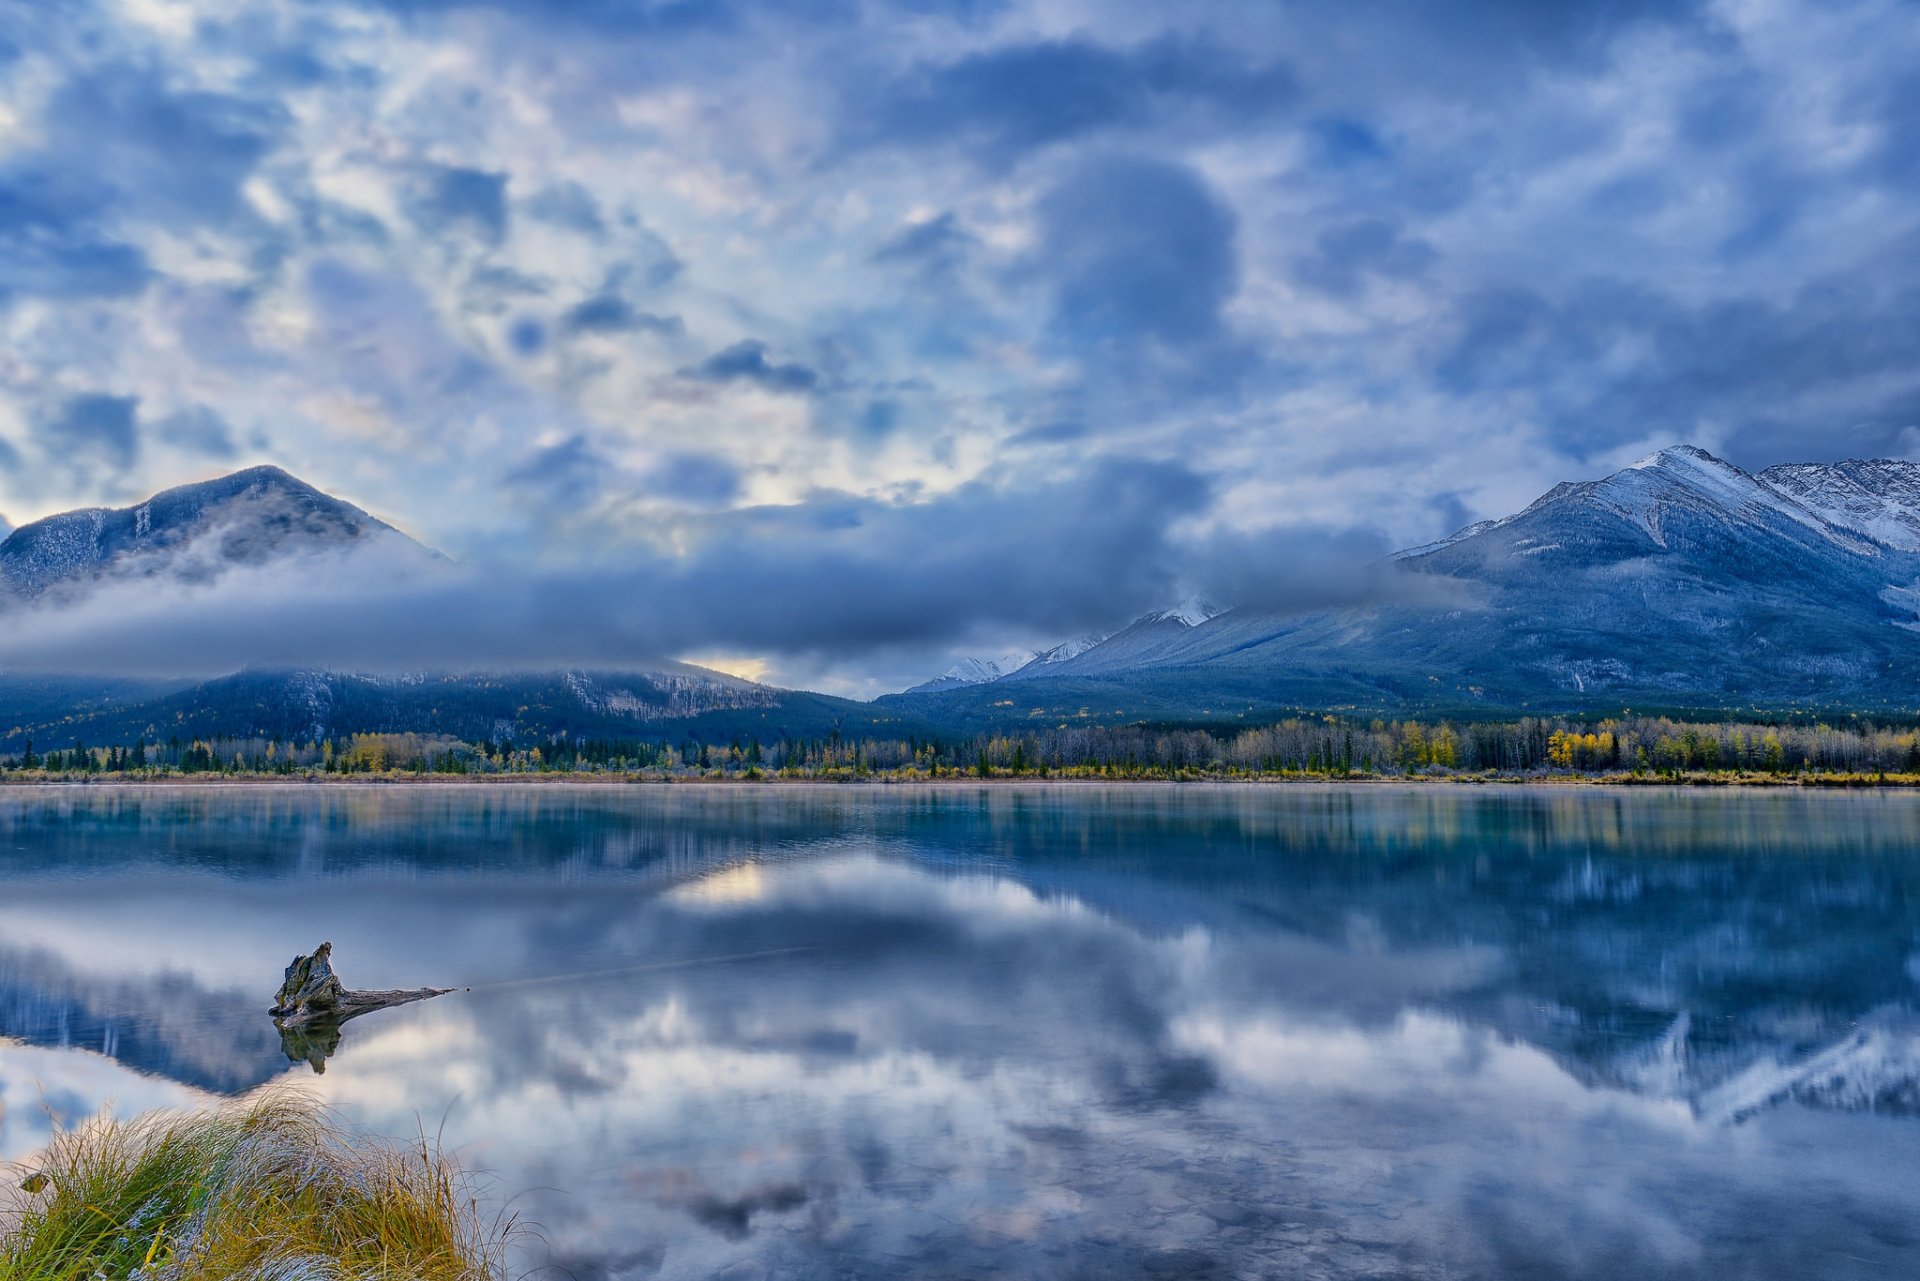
(1006, 101)
(699, 479)
(1137, 249)
(449, 198)
(612, 314)
(175, 155)
(937, 244)
(1840, 351)
(1352, 254)
(198, 429)
(567, 204)
(51, 244)
(746, 361)
(837, 577)
(566, 473)
(1349, 253)
(624, 18)
(93, 426)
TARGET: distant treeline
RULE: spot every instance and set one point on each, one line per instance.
(1304, 747)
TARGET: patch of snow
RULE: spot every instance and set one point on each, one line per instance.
(1191, 612)
(1879, 498)
(1067, 650)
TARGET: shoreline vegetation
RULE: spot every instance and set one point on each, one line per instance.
(1624, 751)
(272, 1187)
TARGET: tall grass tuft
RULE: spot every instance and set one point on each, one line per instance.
(271, 1189)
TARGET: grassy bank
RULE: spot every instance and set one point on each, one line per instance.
(267, 1189)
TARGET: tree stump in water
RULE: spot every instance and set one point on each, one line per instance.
(312, 1004)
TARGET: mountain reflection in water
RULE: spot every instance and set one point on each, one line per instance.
(1059, 1032)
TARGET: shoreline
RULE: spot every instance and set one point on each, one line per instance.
(1690, 782)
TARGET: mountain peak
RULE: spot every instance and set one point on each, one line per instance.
(1683, 456)
(1190, 612)
(246, 517)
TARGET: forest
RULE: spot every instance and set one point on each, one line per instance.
(1324, 747)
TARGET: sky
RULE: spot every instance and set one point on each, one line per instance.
(1069, 307)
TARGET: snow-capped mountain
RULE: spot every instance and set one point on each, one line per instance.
(1679, 582)
(251, 517)
(1191, 612)
(1127, 645)
(265, 518)
(1881, 498)
(976, 671)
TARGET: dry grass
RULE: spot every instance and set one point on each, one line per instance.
(272, 1189)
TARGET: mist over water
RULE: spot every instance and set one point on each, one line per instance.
(1034, 1032)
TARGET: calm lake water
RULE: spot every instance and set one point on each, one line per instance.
(1040, 1032)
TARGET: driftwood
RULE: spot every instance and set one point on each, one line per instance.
(312, 1004)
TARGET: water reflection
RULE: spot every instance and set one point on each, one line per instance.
(1072, 1033)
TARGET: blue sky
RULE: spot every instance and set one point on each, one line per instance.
(1169, 295)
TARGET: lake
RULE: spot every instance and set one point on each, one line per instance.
(1038, 1032)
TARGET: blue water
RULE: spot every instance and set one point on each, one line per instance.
(1040, 1032)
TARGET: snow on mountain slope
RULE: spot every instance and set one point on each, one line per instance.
(1191, 612)
(1880, 498)
(977, 671)
(1146, 633)
(6, 528)
(1686, 479)
(1679, 581)
(192, 532)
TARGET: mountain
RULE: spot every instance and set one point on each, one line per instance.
(668, 702)
(1880, 498)
(264, 517)
(193, 532)
(976, 671)
(1679, 583)
(1129, 645)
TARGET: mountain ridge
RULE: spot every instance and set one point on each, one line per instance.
(1678, 581)
(191, 531)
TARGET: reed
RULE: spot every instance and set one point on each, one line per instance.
(273, 1188)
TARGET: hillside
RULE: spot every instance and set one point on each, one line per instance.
(1682, 582)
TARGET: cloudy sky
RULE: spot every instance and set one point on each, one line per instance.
(1078, 305)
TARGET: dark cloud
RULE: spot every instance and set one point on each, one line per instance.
(449, 198)
(612, 314)
(1337, 143)
(51, 243)
(564, 474)
(198, 429)
(567, 204)
(93, 426)
(1137, 249)
(527, 336)
(1350, 252)
(837, 574)
(1835, 367)
(1061, 431)
(169, 154)
(600, 17)
(938, 244)
(746, 361)
(696, 479)
(1007, 101)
